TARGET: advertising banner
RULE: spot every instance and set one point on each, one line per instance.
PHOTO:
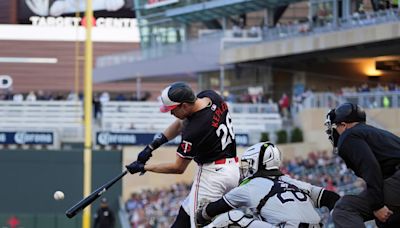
(56, 8)
(26, 138)
(108, 138)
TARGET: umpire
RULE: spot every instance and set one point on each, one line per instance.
(104, 217)
(374, 155)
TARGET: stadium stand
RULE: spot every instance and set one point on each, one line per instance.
(372, 99)
(145, 116)
(63, 117)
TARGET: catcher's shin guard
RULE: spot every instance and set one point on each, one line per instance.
(234, 218)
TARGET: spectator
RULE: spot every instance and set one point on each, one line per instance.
(120, 97)
(284, 105)
(364, 88)
(41, 95)
(104, 97)
(18, 97)
(96, 106)
(237, 31)
(31, 96)
(72, 96)
(254, 32)
(386, 102)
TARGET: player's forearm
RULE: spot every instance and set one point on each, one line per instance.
(218, 207)
(164, 168)
(173, 130)
(329, 199)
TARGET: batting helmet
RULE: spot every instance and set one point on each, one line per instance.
(176, 94)
(348, 113)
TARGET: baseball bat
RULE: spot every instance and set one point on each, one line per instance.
(93, 196)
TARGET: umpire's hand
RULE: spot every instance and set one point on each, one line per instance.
(383, 214)
(135, 167)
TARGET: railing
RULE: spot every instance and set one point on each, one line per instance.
(144, 116)
(376, 99)
(308, 28)
(64, 118)
(156, 52)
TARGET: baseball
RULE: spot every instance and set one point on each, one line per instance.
(58, 195)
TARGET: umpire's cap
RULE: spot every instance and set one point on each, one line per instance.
(348, 113)
(176, 94)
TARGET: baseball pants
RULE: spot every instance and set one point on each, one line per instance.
(353, 210)
(210, 183)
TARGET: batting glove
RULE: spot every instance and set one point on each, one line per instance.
(145, 155)
(135, 167)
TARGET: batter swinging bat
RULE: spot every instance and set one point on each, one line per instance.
(93, 196)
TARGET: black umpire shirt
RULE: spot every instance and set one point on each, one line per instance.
(208, 134)
(373, 154)
(104, 218)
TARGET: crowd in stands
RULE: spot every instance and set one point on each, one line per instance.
(304, 99)
(248, 98)
(71, 96)
(287, 106)
(365, 88)
(157, 208)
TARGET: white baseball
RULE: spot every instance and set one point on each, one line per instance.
(58, 195)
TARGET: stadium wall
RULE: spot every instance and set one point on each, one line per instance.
(30, 177)
(59, 76)
(312, 123)
(306, 44)
(387, 118)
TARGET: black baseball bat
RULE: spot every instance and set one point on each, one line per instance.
(93, 196)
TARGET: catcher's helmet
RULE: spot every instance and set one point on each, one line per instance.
(348, 113)
(263, 155)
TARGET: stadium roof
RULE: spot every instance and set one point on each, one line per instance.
(209, 10)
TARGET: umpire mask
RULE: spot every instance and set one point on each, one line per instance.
(331, 131)
(346, 112)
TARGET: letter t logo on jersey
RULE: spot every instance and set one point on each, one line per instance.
(186, 146)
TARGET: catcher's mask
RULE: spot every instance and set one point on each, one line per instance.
(346, 112)
(264, 155)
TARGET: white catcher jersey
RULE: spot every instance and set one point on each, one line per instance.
(287, 206)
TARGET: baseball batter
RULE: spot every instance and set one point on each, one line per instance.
(207, 138)
(276, 199)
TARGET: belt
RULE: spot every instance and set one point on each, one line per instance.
(226, 160)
